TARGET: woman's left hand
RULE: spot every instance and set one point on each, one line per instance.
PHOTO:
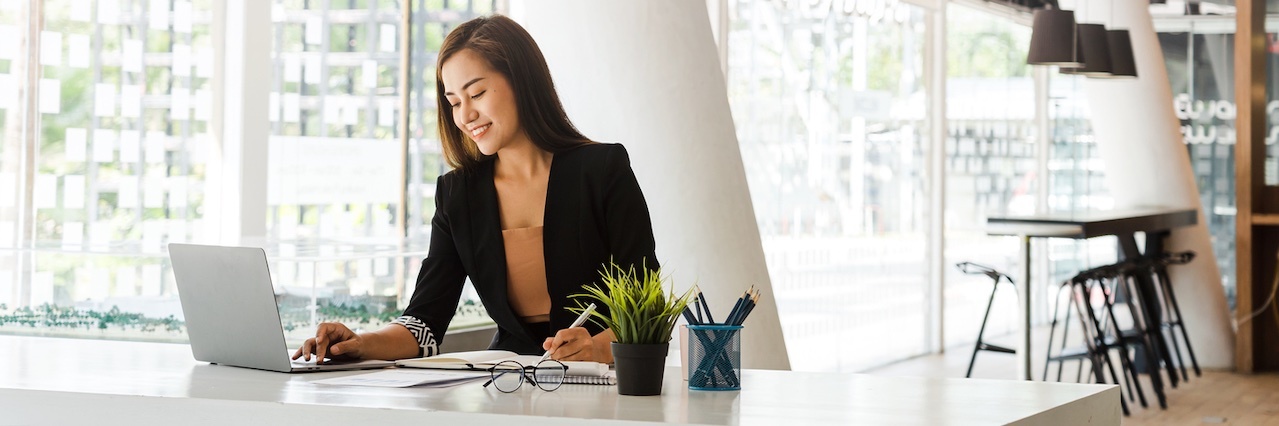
(577, 344)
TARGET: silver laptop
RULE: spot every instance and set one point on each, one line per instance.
(230, 310)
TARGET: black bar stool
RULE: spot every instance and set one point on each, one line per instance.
(1172, 321)
(1143, 333)
(1099, 337)
(996, 277)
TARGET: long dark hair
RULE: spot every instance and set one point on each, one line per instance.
(511, 51)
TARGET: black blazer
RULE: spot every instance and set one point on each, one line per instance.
(594, 210)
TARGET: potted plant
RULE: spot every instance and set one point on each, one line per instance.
(642, 315)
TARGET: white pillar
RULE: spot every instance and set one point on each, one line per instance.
(1147, 165)
(235, 205)
(646, 74)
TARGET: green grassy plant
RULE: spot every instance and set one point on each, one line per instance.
(640, 310)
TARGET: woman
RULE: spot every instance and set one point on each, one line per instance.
(531, 211)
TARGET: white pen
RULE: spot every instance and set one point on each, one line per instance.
(576, 323)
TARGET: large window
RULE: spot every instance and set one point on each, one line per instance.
(113, 168)
(1199, 55)
(117, 165)
(991, 162)
(830, 112)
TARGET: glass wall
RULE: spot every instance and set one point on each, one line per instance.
(991, 166)
(830, 106)
(122, 150)
(1199, 55)
(124, 102)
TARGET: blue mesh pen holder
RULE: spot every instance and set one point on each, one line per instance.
(714, 357)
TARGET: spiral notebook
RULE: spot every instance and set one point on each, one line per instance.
(607, 379)
(579, 372)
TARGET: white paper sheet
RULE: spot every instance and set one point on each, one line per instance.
(292, 69)
(387, 37)
(403, 377)
(104, 141)
(277, 13)
(131, 101)
(158, 15)
(81, 14)
(181, 60)
(100, 235)
(127, 198)
(153, 193)
(77, 144)
(180, 103)
(313, 70)
(108, 11)
(350, 114)
(50, 96)
(292, 108)
(155, 142)
(46, 191)
(51, 48)
(314, 30)
(9, 46)
(386, 113)
(72, 234)
(369, 75)
(73, 192)
(177, 192)
(104, 99)
(182, 17)
(78, 50)
(131, 58)
(130, 146)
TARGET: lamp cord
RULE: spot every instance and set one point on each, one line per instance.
(1270, 301)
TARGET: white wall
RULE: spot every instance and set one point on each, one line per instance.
(646, 74)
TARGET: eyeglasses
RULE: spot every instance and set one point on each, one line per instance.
(508, 376)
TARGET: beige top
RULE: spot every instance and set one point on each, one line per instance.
(526, 274)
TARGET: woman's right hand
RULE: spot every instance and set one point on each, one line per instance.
(332, 340)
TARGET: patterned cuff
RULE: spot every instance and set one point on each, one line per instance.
(421, 332)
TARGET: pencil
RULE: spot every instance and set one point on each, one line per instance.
(709, 319)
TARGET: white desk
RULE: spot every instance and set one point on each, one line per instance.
(69, 381)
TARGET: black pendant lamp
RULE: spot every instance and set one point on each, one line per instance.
(1053, 40)
(1083, 57)
(1122, 62)
(1095, 46)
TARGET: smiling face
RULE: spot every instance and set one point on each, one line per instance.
(482, 102)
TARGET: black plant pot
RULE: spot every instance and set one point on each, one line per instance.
(640, 368)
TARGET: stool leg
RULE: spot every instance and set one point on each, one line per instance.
(1125, 360)
(1052, 331)
(1065, 333)
(982, 331)
(1151, 352)
(1086, 315)
(1172, 298)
